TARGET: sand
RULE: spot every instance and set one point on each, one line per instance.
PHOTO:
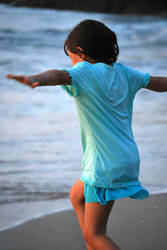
(133, 225)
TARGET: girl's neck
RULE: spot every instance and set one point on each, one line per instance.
(75, 58)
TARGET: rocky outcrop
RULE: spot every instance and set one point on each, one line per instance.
(108, 6)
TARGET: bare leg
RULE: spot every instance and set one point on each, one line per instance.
(96, 217)
(78, 202)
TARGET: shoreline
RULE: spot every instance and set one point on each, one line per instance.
(18, 224)
(18, 214)
(49, 213)
(133, 225)
(59, 210)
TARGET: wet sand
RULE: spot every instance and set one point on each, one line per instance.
(134, 225)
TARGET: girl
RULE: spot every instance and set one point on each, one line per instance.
(103, 92)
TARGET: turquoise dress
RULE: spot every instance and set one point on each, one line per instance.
(104, 96)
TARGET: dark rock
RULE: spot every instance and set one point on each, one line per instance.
(146, 7)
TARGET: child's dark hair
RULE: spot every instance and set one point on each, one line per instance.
(97, 41)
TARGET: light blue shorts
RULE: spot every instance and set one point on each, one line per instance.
(104, 195)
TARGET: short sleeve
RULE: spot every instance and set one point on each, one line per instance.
(75, 74)
(137, 79)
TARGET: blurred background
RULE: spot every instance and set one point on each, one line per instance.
(106, 6)
(40, 148)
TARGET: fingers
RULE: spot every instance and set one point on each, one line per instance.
(14, 77)
(19, 78)
(9, 76)
(34, 85)
(22, 79)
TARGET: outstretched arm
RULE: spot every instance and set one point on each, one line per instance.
(158, 83)
(47, 78)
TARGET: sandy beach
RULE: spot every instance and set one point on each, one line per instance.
(134, 225)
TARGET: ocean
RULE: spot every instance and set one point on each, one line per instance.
(40, 147)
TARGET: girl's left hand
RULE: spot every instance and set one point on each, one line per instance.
(24, 80)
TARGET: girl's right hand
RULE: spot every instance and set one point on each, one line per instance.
(23, 80)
